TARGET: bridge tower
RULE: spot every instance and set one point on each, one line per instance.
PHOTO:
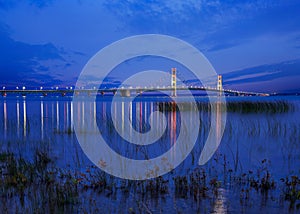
(220, 83)
(173, 82)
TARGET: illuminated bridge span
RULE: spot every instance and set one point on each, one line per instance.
(128, 91)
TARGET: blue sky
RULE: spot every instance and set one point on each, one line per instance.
(48, 42)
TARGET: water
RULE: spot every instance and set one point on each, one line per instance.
(254, 143)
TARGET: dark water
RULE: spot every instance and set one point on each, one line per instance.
(254, 143)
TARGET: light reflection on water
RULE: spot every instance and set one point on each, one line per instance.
(24, 118)
(56, 116)
(5, 118)
(30, 123)
(220, 202)
(18, 118)
(262, 127)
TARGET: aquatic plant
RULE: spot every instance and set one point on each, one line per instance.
(233, 106)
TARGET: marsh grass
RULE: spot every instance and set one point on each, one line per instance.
(41, 186)
(34, 181)
(234, 106)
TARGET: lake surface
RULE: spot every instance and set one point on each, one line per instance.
(255, 144)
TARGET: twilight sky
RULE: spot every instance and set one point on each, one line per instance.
(47, 42)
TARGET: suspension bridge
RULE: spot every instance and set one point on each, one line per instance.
(128, 91)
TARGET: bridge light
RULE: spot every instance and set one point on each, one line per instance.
(56, 88)
(41, 88)
(3, 87)
(71, 87)
(17, 88)
(23, 87)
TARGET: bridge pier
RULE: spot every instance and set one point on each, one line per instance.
(125, 92)
(174, 83)
(139, 91)
(220, 85)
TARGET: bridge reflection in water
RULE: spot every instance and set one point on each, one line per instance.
(130, 117)
(5, 118)
(40, 118)
(45, 120)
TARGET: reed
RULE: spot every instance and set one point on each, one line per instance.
(243, 107)
(40, 186)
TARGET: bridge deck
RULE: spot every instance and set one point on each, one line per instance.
(130, 90)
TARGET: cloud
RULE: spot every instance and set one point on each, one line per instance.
(40, 3)
(5, 5)
(176, 11)
(23, 63)
(277, 77)
(9, 4)
(212, 25)
(281, 77)
(222, 46)
(242, 22)
(228, 32)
